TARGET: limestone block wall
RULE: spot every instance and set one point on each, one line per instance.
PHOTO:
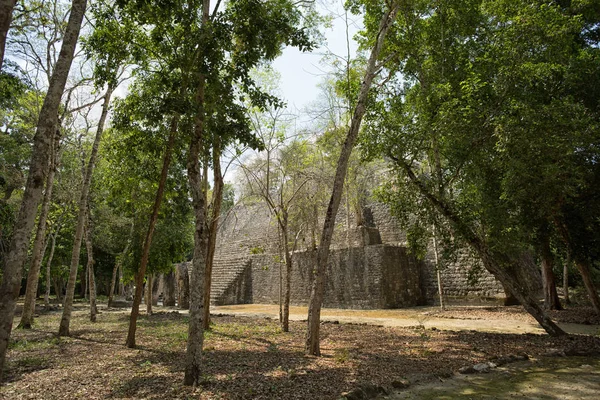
(250, 229)
(464, 278)
(378, 276)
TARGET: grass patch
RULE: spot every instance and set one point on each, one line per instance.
(34, 344)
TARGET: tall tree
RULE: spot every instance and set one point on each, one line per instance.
(81, 217)
(279, 178)
(40, 243)
(141, 272)
(318, 287)
(38, 170)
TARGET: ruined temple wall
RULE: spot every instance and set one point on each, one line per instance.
(369, 277)
(251, 228)
(465, 277)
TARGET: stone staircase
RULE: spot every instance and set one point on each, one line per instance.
(227, 271)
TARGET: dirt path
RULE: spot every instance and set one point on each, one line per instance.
(418, 316)
(571, 378)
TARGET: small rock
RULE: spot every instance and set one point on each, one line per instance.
(484, 367)
(467, 370)
(433, 328)
(400, 384)
(555, 353)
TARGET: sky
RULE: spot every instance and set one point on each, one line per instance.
(302, 72)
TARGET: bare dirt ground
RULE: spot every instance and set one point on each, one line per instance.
(480, 318)
(248, 357)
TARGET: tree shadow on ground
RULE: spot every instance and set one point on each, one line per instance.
(236, 374)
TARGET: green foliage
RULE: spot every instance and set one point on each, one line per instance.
(487, 107)
(257, 250)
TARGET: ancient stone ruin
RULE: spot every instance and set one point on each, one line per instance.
(369, 266)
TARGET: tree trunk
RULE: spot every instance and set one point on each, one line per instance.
(85, 277)
(318, 286)
(90, 268)
(193, 361)
(584, 270)
(40, 244)
(139, 281)
(281, 256)
(6, 11)
(217, 200)
(117, 267)
(48, 265)
(511, 271)
(551, 300)
(121, 284)
(195, 330)
(285, 323)
(148, 296)
(437, 269)
(58, 289)
(156, 287)
(113, 281)
(38, 170)
(65, 321)
(566, 278)
(183, 286)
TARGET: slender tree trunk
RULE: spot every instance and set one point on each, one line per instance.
(65, 321)
(551, 300)
(48, 265)
(113, 282)
(217, 200)
(90, 268)
(39, 245)
(438, 269)
(6, 11)
(318, 286)
(193, 362)
(285, 323)
(58, 289)
(117, 267)
(511, 271)
(85, 277)
(195, 330)
(281, 256)
(148, 297)
(121, 284)
(139, 277)
(566, 278)
(584, 270)
(183, 286)
(38, 170)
